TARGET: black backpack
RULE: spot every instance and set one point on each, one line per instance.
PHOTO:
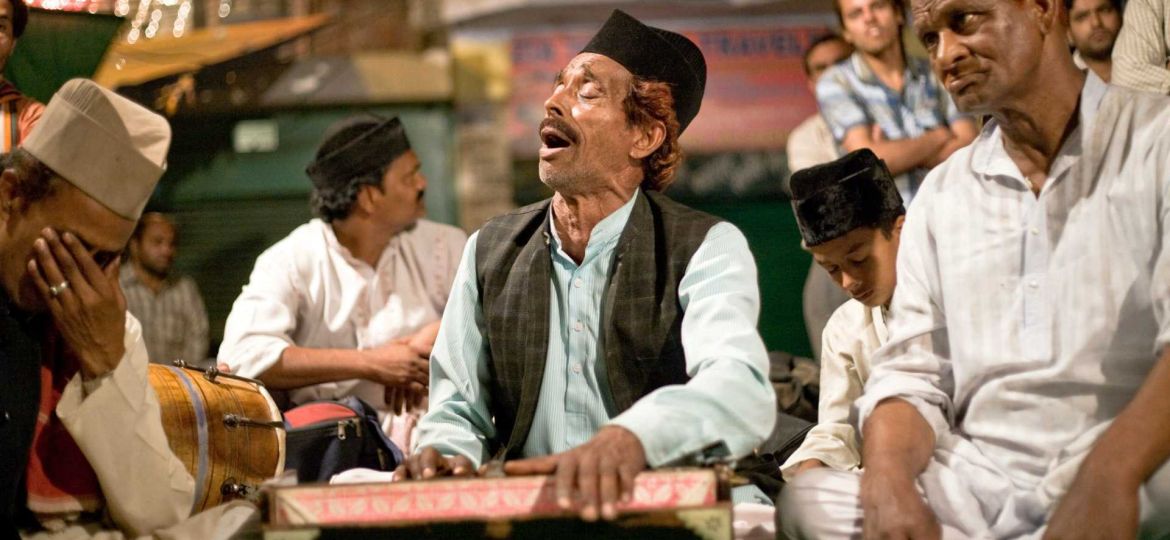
(324, 438)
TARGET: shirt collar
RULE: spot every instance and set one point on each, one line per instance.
(989, 159)
(335, 245)
(606, 232)
(916, 68)
(880, 314)
(129, 275)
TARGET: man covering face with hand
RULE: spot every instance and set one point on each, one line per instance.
(80, 428)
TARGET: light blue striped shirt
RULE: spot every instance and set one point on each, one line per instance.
(728, 400)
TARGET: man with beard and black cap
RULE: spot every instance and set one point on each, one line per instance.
(349, 303)
(607, 329)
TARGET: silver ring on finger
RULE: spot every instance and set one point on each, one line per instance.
(59, 288)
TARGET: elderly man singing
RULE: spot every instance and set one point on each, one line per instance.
(608, 328)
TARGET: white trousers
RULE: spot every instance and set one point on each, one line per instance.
(825, 504)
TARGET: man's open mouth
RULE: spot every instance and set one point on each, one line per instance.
(556, 133)
(553, 139)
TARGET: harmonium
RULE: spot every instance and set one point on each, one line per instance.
(667, 504)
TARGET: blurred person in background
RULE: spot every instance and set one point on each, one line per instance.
(888, 101)
(1141, 56)
(811, 143)
(169, 306)
(18, 112)
(1092, 30)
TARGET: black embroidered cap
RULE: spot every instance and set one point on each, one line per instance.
(658, 55)
(834, 198)
(355, 146)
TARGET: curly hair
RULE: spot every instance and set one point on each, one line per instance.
(648, 102)
(34, 180)
(336, 202)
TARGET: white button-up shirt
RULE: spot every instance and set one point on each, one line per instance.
(1023, 322)
(308, 290)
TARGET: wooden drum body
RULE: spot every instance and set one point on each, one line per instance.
(226, 430)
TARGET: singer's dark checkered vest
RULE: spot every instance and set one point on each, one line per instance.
(640, 316)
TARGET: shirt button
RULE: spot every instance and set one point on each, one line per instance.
(1035, 231)
(578, 326)
(576, 368)
(1033, 284)
(578, 283)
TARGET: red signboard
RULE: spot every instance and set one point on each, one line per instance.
(756, 90)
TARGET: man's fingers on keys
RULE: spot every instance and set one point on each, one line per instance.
(609, 489)
(587, 470)
(566, 480)
(627, 474)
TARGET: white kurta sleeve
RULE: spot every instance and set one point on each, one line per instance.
(915, 364)
(263, 318)
(833, 440)
(118, 426)
(729, 399)
(1160, 283)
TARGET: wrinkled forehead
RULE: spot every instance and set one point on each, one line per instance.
(937, 13)
(925, 13)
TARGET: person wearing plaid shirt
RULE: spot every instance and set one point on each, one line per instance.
(889, 102)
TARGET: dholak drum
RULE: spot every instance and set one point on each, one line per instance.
(225, 429)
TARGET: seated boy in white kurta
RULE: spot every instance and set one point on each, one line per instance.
(850, 216)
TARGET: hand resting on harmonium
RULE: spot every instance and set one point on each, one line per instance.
(597, 474)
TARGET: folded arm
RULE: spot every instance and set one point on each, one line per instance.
(258, 341)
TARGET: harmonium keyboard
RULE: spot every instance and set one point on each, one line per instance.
(667, 504)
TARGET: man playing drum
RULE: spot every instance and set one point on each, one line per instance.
(349, 303)
(609, 328)
(81, 440)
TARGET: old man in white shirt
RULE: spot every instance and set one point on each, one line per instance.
(1026, 385)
